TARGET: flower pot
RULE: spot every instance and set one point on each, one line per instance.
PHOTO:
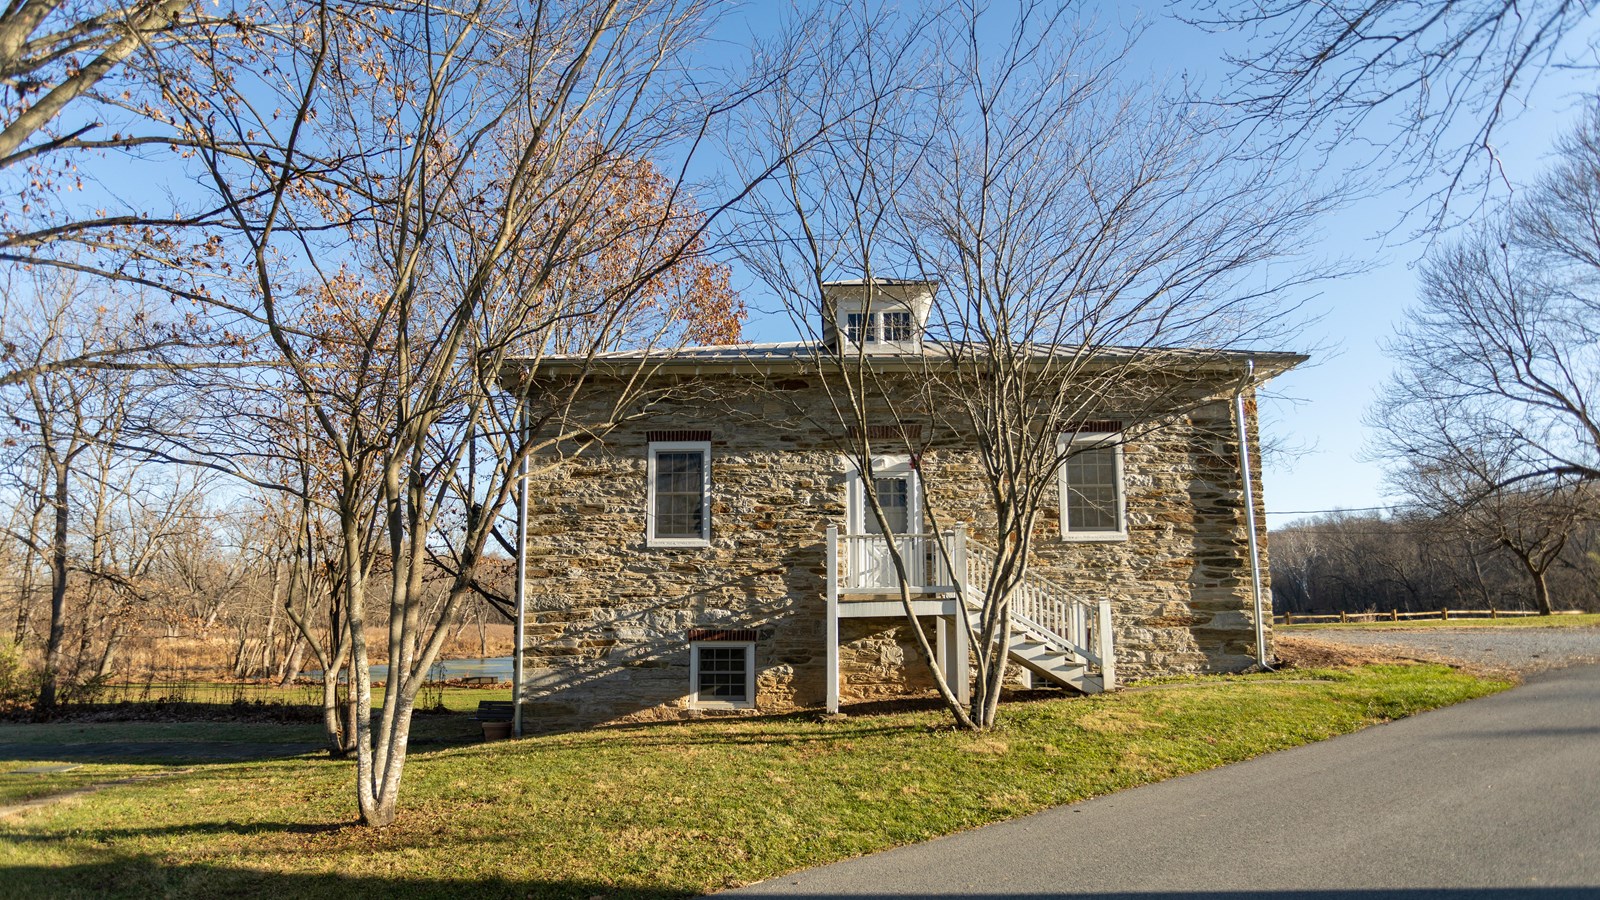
(496, 731)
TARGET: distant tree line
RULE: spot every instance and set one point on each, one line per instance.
(1417, 561)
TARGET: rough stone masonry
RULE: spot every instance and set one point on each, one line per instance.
(611, 618)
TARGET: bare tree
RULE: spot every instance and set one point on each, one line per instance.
(28, 484)
(1429, 85)
(91, 85)
(1531, 520)
(1449, 553)
(1092, 247)
(434, 191)
(62, 421)
(1499, 358)
(53, 53)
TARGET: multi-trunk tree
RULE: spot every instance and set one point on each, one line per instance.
(1095, 247)
(433, 191)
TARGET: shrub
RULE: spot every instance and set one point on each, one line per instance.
(19, 685)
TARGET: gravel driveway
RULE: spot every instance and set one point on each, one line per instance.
(1518, 649)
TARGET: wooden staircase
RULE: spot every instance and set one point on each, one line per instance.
(1054, 635)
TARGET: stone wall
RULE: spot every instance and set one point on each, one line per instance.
(610, 617)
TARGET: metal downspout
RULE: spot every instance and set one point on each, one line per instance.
(521, 596)
(1250, 514)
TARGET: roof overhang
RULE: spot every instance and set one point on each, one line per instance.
(794, 360)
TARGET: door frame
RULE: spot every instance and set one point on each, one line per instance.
(883, 466)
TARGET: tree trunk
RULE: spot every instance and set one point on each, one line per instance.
(1536, 573)
(25, 600)
(337, 722)
(87, 628)
(24, 610)
(293, 660)
(119, 631)
(58, 596)
(269, 642)
(240, 649)
(1541, 592)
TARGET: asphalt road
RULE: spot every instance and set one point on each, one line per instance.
(1499, 797)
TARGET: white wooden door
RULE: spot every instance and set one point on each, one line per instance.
(895, 483)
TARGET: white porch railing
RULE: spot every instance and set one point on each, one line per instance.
(1072, 631)
(869, 566)
(1053, 613)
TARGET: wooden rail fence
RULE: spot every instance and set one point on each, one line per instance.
(1395, 615)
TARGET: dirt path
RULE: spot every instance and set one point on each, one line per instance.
(52, 799)
(1517, 650)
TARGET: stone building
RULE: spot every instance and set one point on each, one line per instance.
(701, 545)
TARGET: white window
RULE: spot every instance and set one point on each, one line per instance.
(897, 327)
(894, 480)
(722, 674)
(860, 328)
(889, 329)
(678, 508)
(1093, 504)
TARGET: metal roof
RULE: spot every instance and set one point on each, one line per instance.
(796, 355)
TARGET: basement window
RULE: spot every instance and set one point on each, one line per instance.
(722, 674)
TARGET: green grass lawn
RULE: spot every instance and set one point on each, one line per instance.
(675, 809)
(1582, 620)
(222, 693)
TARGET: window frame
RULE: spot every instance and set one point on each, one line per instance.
(910, 327)
(652, 451)
(1113, 442)
(869, 330)
(749, 701)
(864, 326)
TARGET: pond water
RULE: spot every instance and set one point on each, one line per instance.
(496, 667)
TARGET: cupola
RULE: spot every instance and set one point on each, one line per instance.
(883, 315)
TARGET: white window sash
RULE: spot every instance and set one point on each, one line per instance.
(652, 452)
(1113, 442)
(695, 700)
(871, 333)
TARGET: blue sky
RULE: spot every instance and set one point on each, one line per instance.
(1324, 401)
(1321, 406)
(1317, 415)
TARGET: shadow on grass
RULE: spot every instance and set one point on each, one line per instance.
(156, 752)
(189, 742)
(146, 877)
(796, 728)
(188, 829)
(141, 876)
(1328, 894)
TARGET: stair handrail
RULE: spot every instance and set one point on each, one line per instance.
(1038, 599)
